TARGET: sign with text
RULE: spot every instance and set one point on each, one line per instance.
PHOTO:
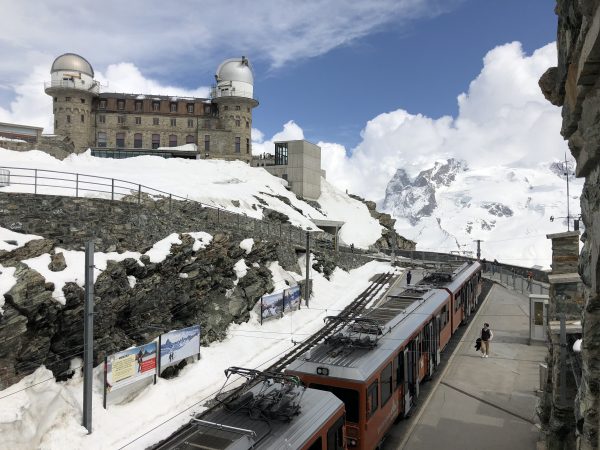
(291, 299)
(130, 365)
(179, 344)
(271, 306)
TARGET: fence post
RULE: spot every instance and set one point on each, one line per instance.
(139, 194)
(239, 221)
(35, 182)
(170, 203)
(76, 185)
(112, 188)
(218, 214)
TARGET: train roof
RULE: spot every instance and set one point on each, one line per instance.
(223, 429)
(397, 320)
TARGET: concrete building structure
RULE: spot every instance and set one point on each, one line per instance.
(123, 125)
(298, 162)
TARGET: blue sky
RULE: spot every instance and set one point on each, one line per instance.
(421, 68)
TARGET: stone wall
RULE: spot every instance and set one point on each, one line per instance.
(574, 84)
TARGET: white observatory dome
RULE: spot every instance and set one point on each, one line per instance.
(71, 61)
(235, 69)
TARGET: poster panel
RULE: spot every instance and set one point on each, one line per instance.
(179, 344)
(130, 365)
(271, 306)
(291, 299)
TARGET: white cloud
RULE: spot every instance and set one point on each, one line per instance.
(291, 131)
(503, 120)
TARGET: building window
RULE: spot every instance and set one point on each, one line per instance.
(120, 140)
(248, 109)
(155, 106)
(247, 124)
(237, 107)
(101, 139)
(101, 118)
(67, 99)
(120, 105)
(55, 99)
(55, 124)
(155, 121)
(190, 107)
(137, 140)
(102, 104)
(173, 107)
(206, 109)
(207, 124)
(68, 119)
(386, 384)
(121, 120)
(155, 141)
(190, 123)
(237, 122)
(173, 122)
(138, 105)
(237, 145)
(82, 100)
(190, 139)
(225, 108)
(247, 145)
(138, 120)
(82, 118)
(207, 143)
(172, 140)
(281, 154)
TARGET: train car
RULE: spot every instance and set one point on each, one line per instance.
(276, 413)
(376, 364)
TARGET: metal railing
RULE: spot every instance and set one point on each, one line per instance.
(4, 177)
(72, 84)
(53, 182)
(515, 281)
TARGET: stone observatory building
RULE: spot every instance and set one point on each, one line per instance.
(122, 125)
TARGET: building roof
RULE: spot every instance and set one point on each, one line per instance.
(235, 69)
(171, 98)
(72, 61)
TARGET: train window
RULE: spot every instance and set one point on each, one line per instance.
(317, 445)
(400, 370)
(335, 435)
(372, 398)
(348, 396)
(386, 384)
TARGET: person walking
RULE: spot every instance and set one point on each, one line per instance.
(408, 277)
(486, 337)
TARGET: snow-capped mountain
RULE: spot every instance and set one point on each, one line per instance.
(446, 207)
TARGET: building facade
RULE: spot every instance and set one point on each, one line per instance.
(121, 125)
(299, 163)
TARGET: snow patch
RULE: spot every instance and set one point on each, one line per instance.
(247, 245)
(201, 240)
(20, 239)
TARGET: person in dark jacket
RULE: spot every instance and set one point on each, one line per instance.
(486, 337)
(408, 277)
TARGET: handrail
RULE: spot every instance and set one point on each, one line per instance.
(124, 190)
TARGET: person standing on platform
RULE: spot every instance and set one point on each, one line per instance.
(408, 277)
(486, 337)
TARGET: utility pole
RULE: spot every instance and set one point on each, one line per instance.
(479, 241)
(568, 208)
(307, 286)
(88, 336)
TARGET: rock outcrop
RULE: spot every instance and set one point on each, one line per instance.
(575, 85)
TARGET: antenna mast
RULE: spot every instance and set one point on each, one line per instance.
(568, 210)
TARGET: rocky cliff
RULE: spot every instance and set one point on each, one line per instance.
(574, 85)
(136, 299)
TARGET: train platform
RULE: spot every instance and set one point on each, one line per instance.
(479, 403)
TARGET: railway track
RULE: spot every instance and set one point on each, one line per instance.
(351, 311)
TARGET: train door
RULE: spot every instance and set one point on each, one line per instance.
(435, 343)
(413, 367)
(406, 383)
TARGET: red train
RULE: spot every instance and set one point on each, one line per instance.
(376, 364)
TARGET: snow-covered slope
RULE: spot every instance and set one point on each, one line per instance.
(234, 186)
(448, 206)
